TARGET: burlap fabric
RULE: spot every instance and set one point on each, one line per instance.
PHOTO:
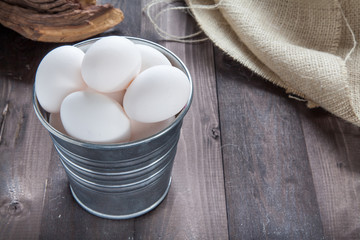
(307, 47)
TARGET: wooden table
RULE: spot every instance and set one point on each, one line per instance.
(252, 163)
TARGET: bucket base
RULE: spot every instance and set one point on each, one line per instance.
(117, 217)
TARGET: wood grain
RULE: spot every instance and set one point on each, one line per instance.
(251, 163)
(333, 149)
(269, 187)
(24, 145)
(58, 20)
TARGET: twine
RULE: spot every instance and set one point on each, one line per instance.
(165, 34)
(351, 32)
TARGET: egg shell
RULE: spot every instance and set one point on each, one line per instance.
(156, 94)
(56, 123)
(110, 64)
(151, 57)
(141, 130)
(94, 117)
(58, 74)
(117, 96)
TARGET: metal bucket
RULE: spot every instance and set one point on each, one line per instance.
(119, 181)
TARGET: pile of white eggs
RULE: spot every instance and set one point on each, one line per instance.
(117, 91)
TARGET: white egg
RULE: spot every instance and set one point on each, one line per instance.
(94, 117)
(117, 96)
(56, 123)
(156, 94)
(110, 64)
(151, 57)
(58, 74)
(141, 130)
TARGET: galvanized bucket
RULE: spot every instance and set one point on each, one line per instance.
(119, 181)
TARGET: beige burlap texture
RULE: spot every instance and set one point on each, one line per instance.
(307, 47)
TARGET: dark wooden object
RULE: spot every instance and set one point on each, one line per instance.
(58, 20)
(251, 163)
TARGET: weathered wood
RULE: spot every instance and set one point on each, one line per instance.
(58, 21)
(289, 172)
(43, 6)
(23, 169)
(334, 154)
(25, 147)
(269, 187)
(55, 6)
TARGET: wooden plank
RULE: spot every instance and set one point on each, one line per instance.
(131, 25)
(269, 187)
(24, 145)
(195, 206)
(333, 149)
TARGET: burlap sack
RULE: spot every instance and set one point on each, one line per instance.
(307, 47)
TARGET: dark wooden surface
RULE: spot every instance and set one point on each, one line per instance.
(251, 163)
